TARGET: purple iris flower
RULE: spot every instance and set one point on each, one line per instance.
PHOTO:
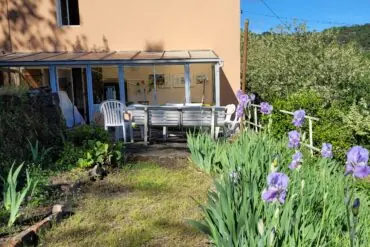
(266, 108)
(298, 119)
(277, 187)
(294, 138)
(239, 111)
(244, 100)
(357, 158)
(239, 93)
(297, 160)
(326, 150)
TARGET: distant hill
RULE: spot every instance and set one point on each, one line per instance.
(357, 33)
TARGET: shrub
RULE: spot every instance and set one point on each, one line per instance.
(313, 213)
(80, 135)
(329, 128)
(33, 117)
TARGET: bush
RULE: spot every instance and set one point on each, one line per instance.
(28, 117)
(80, 135)
(330, 127)
(313, 214)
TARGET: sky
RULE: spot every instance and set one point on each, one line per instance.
(321, 14)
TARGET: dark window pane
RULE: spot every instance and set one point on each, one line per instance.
(63, 12)
(74, 14)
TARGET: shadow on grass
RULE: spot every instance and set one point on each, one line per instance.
(182, 227)
(106, 190)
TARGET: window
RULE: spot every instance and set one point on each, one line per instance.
(69, 14)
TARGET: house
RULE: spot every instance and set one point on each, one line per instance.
(153, 52)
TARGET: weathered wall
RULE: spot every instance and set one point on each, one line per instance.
(133, 25)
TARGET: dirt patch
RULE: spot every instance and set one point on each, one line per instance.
(169, 155)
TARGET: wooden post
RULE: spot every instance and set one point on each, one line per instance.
(244, 64)
(255, 118)
(245, 56)
(310, 134)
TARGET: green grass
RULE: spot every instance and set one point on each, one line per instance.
(145, 205)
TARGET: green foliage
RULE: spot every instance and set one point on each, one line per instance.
(356, 33)
(204, 151)
(24, 118)
(97, 153)
(39, 155)
(281, 63)
(312, 215)
(358, 121)
(80, 135)
(329, 128)
(13, 198)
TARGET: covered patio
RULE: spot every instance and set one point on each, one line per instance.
(152, 79)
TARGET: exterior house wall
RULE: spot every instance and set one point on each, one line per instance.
(131, 25)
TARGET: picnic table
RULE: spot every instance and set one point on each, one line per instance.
(177, 115)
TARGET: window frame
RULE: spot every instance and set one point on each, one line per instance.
(59, 15)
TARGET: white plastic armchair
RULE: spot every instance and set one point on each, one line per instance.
(113, 112)
(229, 109)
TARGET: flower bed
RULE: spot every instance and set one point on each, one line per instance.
(269, 194)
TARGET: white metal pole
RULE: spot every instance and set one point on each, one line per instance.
(90, 96)
(217, 83)
(121, 81)
(310, 134)
(187, 83)
(155, 85)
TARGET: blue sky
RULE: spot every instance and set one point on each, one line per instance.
(338, 12)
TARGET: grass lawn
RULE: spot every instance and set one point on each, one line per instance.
(145, 205)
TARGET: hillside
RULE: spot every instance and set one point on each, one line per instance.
(357, 33)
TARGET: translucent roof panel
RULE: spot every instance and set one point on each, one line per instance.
(121, 55)
(38, 56)
(66, 56)
(11, 56)
(93, 56)
(176, 55)
(145, 55)
(203, 54)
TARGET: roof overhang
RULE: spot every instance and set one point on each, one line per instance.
(107, 58)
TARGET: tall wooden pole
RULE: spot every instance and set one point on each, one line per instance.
(245, 56)
(244, 63)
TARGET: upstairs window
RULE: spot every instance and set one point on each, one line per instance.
(69, 14)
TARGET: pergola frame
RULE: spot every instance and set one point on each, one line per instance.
(51, 61)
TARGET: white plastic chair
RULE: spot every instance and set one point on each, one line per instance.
(113, 111)
(228, 123)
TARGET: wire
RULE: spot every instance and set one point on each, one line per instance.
(275, 14)
(297, 19)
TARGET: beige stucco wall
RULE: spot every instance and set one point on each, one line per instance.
(131, 25)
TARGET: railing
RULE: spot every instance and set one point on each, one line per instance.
(258, 126)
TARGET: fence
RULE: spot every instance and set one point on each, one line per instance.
(258, 126)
